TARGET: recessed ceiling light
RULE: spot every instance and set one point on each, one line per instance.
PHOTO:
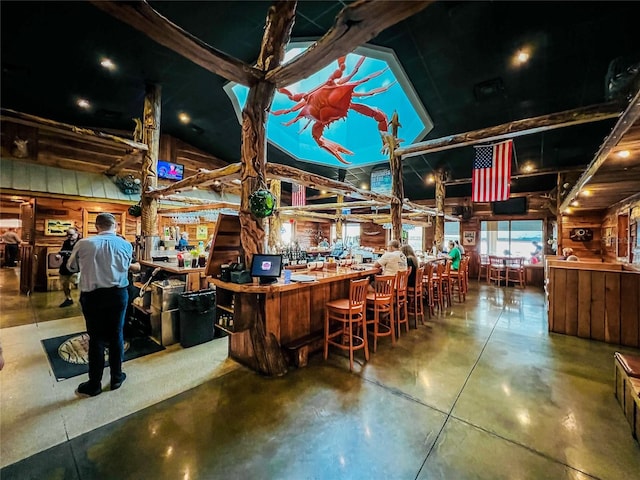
(522, 56)
(623, 153)
(431, 179)
(364, 186)
(575, 203)
(184, 118)
(585, 193)
(323, 192)
(567, 210)
(107, 63)
(527, 168)
(83, 103)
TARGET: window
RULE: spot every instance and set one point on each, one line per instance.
(285, 233)
(415, 238)
(351, 234)
(451, 233)
(511, 237)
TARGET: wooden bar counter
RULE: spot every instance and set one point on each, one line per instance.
(192, 276)
(595, 300)
(293, 313)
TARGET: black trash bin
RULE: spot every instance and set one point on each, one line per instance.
(197, 316)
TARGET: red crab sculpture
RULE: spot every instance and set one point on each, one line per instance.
(332, 101)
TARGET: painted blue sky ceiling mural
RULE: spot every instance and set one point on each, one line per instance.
(333, 117)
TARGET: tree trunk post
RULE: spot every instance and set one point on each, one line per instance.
(397, 188)
(275, 222)
(441, 177)
(151, 137)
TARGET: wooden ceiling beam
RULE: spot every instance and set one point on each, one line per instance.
(356, 24)
(8, 115)
(141, 16)
(331, 206)
(622, 126)
(125, 162)
(201, 178)
(292, 174)
(517, 128)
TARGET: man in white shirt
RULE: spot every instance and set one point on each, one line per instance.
(392, 261)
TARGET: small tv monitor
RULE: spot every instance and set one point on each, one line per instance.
(512, 206)
(170, 171)
(267, 268)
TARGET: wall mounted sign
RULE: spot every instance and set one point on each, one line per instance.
(57, 228)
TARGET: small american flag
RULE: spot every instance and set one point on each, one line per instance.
(298, 195)
(492, 172)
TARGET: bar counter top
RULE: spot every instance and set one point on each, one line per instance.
(171, 267)
(321, 277)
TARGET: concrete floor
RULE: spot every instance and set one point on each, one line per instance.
(483, 391)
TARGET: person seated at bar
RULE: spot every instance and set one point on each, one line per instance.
(434, 249)
(392, 261)
(412, 261)
(324, 243)
(572, 258)
(454, 255)
(566, 253)
(459, 247)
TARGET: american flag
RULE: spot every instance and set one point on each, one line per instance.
(298, 195)
(492, 172)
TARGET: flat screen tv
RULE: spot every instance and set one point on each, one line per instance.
(170, 171)
(267, 268)
(513, 206)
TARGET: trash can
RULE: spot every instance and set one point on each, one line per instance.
(197, 316)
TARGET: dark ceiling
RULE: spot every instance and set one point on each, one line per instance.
(51, 51)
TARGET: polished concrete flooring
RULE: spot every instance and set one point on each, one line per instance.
(483, 391)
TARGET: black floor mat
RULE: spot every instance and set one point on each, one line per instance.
(68, 354)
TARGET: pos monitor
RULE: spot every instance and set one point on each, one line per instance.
(266, 267)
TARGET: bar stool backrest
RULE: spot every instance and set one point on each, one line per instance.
(358, 295)
(419, 279)
(383, 287)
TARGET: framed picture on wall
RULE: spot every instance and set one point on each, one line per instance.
(202, 232)
(57, 228)
(469, 238)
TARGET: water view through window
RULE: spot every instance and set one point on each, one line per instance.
(511, 237)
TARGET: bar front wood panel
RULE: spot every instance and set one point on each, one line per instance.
(291, 312)
(598, 304)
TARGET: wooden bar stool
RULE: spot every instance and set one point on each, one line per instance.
(402, 315)
(347, 314)
(459, 279)
(380, 303)
(497, 269)
(427, 280)
(436, 285)
(515, 271)
(445, 283)
(484, 266)
(414, 292)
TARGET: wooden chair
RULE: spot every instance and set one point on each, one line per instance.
(497, 269)
(484, 267)
(459, 279)
(435, 288)
(414, 292)
(380, 303)
(427, 287)
(349, 315)
(515, 271)
(445, 282)
(402, 314)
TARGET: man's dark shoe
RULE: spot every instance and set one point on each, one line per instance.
(68, 302)
(117, 384)
(88, 389)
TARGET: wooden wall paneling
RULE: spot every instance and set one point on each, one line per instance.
(550, 274)
(559, 291)
(571, 303)
(612, 307)
(307, 233)
(630, 310)
(584, 304)
(597, 306)
(591, 250)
